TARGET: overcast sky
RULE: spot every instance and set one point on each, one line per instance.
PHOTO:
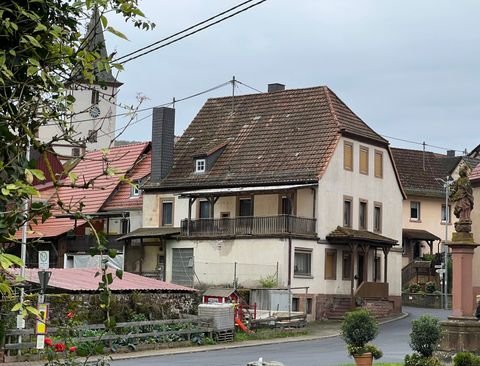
(409, 69)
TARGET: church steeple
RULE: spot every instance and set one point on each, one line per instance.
(95, 41)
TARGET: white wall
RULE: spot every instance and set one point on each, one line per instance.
(82, 122)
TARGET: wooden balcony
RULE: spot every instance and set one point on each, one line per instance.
(282, 225)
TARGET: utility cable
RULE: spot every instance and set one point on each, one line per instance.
(191, 33)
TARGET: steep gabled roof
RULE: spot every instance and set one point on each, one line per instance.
(121, 198)
(475, 175)
(92, 169)
(418, 170)
(273, 138)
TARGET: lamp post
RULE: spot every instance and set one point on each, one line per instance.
(446, 184)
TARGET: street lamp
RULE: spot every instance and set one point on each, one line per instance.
(447, 182)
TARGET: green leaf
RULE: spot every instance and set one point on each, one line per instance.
(112, 253)
(28, 176)
(13, 258)
(119, 273)
(5, 191)
(40, 27)
(38, 174)
(116, 32)
(104, 20)
(17, 307)
(32, 70)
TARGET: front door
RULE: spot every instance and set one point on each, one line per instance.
(360, 269)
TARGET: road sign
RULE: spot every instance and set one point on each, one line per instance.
(43, 259)
(440, 271)
(438, 265)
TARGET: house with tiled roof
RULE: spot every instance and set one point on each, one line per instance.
(96, 187)
(289, 185)
(427, 218)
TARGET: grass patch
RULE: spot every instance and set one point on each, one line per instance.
(269, 334)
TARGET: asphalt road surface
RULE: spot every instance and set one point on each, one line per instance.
(393, 339)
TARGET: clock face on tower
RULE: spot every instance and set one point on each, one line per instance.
(94, 111)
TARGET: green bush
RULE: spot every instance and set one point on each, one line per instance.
(416, 359)
(414, 288)
(358, 328)
(425, 335)
(466, 359)
(430, 287)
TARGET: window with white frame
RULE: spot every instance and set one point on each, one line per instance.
(167, 213)
(446, 216)
(135, 190)
(302, 262)
(415, 211)
(200, 166)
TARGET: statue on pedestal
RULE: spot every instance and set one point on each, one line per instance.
(462, 196)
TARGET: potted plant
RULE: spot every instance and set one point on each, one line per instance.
(358, 328)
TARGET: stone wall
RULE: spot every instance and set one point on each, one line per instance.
(432, 301)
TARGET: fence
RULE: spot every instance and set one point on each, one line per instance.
(236, 274)
(127, 333)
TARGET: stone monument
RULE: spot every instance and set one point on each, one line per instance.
(461, 332)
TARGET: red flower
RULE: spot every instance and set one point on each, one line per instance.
(70, 315)
(48, 342)
(59, 347)
(73, 349)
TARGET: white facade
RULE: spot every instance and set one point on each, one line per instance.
(93, 121)
(219, 262)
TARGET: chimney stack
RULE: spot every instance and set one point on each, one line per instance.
(451, 153)
(163, 141)
(275, 87)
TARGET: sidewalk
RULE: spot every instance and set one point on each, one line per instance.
(317, 330)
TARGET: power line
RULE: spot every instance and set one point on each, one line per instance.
(188, 34)
(182, 31)
(421, 143)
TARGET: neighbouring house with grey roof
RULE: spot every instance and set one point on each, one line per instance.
(290, 185)
(422, 174)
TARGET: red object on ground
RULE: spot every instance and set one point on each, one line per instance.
(242, 326)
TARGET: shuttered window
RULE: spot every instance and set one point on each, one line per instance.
(348, 155)
(363, 160)
(330, 264)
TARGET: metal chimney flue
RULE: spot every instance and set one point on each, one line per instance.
(163, 141)
(275, 87)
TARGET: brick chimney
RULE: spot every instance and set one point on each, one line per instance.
(451, 153)
(275, 87)
(163, 140)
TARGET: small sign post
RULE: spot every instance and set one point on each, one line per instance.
(43, 259)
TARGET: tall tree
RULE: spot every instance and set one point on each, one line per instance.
(43, 51)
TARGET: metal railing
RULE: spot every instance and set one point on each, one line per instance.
(249, 225)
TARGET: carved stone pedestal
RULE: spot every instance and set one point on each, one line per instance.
(459, 334)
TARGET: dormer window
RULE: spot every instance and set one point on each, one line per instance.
(200, 166)
(135, 191)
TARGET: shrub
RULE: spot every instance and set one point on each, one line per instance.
(416, 359)
(414, 288)
(269, 282)
(358, 350)
(358, 328)
(466, 359)
(425, 335)
(430, 287)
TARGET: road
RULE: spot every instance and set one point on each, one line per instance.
(393, 339)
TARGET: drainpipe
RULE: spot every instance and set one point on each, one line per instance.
(289, 282)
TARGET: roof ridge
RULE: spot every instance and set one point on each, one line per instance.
(327, 91)
(269, 94)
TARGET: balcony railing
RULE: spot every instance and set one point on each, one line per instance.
(249, 225)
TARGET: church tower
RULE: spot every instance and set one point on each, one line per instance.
(94, 108)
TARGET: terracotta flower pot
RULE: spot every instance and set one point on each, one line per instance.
(365, 359)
